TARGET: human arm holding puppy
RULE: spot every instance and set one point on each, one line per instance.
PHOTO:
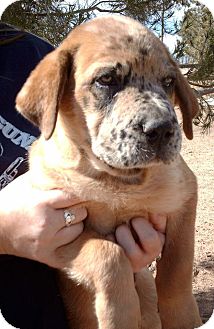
(31, 221)
(32, 226)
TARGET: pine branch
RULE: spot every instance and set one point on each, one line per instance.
(205, 92)
(200, 85)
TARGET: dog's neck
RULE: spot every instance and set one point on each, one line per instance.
(63, 163)
(65, 159)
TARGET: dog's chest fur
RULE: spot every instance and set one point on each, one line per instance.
(162, 193)
(111, 201)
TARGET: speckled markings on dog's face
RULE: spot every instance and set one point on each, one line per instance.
(126, 92)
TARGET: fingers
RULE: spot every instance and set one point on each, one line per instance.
(133, 251)
(125, 238)
(68, 234)
(60, 199)
(80, 213)
(158, 221)
(145, 247)
(149, 237)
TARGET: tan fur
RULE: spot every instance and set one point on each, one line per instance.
(97, 284)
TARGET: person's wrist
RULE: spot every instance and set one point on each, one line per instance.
(5, 247)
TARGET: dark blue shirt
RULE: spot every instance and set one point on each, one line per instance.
(19, 54)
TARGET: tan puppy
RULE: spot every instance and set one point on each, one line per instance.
(104, 103)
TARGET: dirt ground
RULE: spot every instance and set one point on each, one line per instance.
(199, 155)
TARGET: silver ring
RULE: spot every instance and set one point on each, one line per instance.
(68, 217)
(158, 258)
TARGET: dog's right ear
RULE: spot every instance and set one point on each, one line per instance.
(40, 96)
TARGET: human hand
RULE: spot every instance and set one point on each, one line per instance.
(150, 240)
(32, 221)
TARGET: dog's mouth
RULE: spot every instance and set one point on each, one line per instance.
(125, 171)
(133, 169)
(130, 158)
(101, 165)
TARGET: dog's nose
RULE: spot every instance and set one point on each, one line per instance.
(158, 132)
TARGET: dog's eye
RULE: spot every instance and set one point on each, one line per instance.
(107, 80)
(168, 82)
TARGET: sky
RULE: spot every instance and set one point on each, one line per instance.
(171, 40)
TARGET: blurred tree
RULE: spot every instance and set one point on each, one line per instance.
(53, 19)
(197, 45)
(49, 19)
(159, 15)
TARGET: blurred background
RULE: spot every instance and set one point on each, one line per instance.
(185, 26)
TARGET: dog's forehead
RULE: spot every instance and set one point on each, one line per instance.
(113, 23)
(116, 39)
(116, 33)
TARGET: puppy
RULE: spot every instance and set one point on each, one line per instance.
(104, 103)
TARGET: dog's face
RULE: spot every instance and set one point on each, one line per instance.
(120, 80)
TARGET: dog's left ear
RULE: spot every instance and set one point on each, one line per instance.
(41, 94)
(187, 102)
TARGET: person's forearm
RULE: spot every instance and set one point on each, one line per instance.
(3, 249)
(4, 243)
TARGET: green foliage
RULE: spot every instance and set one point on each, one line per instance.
(197, 33)
(206, 61)
(197, 42)
(53, 19)
(49, 19)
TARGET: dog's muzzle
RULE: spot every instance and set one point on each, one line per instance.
(139, 133)
(159, 132)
